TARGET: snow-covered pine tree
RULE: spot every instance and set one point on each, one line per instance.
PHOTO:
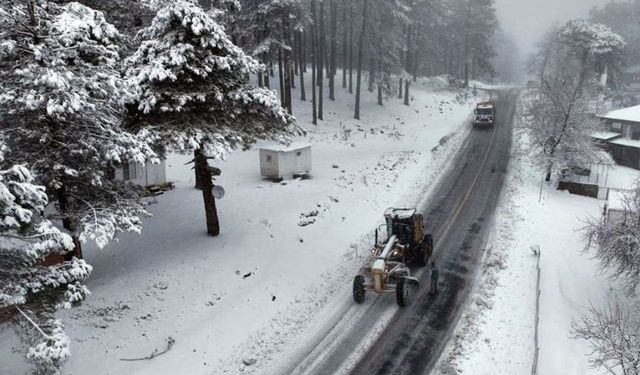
(387, 41)
(265, 29)
(473, 24)
(623, 17)
(61, 115)
(594, 47)
(194, 93)
(30, 292)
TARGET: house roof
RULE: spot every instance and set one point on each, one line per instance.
(284, 148)
(605, 136)
(626, 142)
(630, 114)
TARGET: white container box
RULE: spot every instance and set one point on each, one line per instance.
(285, 162)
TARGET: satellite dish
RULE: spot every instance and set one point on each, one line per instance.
(218, 192)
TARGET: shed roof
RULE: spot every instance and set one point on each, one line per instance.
(630, 114)
(284, 148)
(605, 136)
(626, 142)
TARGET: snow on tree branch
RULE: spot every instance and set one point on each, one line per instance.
(25, 240)
(193, 86)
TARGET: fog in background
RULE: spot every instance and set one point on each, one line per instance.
(527, 20)
(523, 23)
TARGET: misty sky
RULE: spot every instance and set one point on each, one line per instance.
(527, 20)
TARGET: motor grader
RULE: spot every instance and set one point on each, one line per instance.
(399, 243)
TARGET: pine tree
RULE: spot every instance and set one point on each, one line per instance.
(194, 94)
(60, 115)
(30, 293)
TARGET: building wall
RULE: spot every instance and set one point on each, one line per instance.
(269, 164)
(144, 175)
(626, 156)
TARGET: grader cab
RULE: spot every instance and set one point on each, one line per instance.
(399, 243)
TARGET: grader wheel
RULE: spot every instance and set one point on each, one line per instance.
(402, 292)
(358, 289)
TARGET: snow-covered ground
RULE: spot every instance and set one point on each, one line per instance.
(287, 250)
(496, 333)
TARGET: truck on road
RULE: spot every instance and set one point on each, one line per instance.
(484, 114)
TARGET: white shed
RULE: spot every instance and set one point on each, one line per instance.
(283, 162)
(146, 175)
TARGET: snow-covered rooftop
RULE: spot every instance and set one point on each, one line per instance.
(605, 136)
(626, 142)
(284, 148)
(630, 114)
(616, 199)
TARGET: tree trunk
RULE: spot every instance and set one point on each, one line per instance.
(333, 10)
(197, 175)
(350, 47)
(400, 88)
(287, 63)
(206, 180)
(303, 96)
(314, 50)
(267, 83)
(406, 92)
(372, 74)
(304, 50)
(344, 44)
(321, 58)
(69, 224)
(360, 53)
(281, 76)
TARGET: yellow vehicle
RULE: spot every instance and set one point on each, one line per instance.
(406, 244)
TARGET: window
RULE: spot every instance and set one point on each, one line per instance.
(299, 153)
(269, 158)
(616, 126)
(125, 171)
(129, 171)
(133, 170)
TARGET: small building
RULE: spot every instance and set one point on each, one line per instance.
(614, 206)
(285, 162)
(146, 175)
(622, 136)
(630, 77)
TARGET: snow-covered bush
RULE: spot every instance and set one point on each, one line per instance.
(30, 292)
(614, 336)
(614, 332)
(615, 241)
